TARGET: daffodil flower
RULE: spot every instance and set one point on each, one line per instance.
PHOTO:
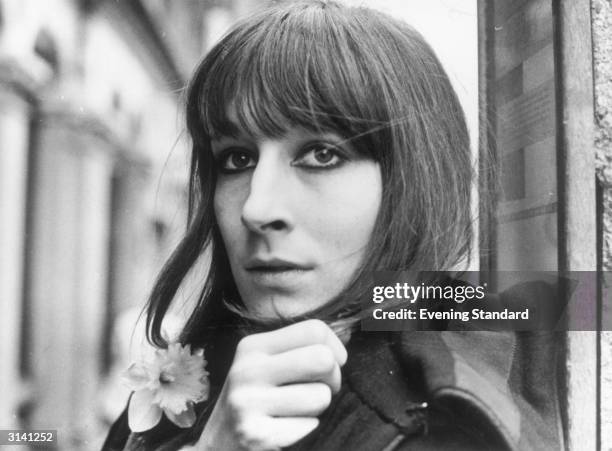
(170, 383)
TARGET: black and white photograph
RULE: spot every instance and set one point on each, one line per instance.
(306, 225)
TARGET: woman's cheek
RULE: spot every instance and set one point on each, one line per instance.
(228, 206)
(343, 215)
(354, 200)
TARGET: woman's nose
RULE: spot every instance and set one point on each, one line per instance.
(266, 207)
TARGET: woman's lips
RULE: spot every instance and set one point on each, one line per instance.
(275, 272)
(277, 276)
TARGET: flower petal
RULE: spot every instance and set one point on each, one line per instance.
(143, 414)
(136, 377)
(185, 419)
(183, 378)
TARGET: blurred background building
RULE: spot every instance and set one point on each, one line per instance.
(93, 166)
(92, 189)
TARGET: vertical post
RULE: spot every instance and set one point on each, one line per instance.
(486, 137)
(577, 210)
(14, 134)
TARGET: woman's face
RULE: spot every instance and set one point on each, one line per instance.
(295, 214)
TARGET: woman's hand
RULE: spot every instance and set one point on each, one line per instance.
(278, 384)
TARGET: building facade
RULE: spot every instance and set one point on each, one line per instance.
(92, 182)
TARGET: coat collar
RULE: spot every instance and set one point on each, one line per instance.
(499, 374)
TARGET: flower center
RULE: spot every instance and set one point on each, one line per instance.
(166, 378)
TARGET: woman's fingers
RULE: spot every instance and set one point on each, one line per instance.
(263, 433)
(314, 363)
(278, 384)
(288, 430)
(294, 336)
(295, 400)
(305, 400)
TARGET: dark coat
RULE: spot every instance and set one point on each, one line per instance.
(425, 391)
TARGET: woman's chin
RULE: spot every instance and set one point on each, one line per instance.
(280, 305)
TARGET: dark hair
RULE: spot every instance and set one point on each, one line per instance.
(361, 73)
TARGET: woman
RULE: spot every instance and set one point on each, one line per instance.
(328, 143)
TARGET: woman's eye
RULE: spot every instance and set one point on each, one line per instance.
(235, 160)
(320, 156)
